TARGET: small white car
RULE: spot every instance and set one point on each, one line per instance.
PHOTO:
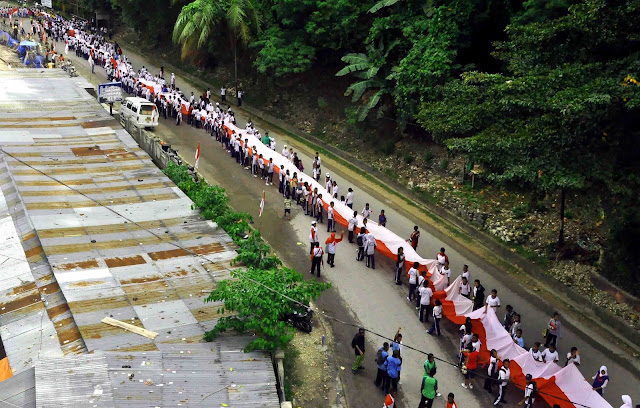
(143, 112)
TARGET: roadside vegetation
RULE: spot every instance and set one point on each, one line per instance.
(252, 300)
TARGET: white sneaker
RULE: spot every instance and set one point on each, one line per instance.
(438, 394)
(408, 299)
(464, 385)
(471, 386)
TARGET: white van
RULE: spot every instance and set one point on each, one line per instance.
(142, 111)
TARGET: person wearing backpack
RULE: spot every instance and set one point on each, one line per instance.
(360, 241)
(529, 392)
(382, 378)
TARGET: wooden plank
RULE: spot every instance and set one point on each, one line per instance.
(134, 329)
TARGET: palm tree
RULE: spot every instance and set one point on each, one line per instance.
(197, 22)
(367, 68)
(242, 16)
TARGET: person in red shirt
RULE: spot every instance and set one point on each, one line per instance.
(390, 400)
(413, 239)
(471, 363)
(451, 403)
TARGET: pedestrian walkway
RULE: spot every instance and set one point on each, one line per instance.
(373, 298)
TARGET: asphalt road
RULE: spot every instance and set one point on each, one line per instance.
(364, 296)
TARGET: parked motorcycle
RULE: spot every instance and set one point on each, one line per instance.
(300, 320)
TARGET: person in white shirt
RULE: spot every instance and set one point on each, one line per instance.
(316, 258)
(492, 301)
(550, 354)
(353, 221)
(573, 357)
(465, 288)
(328, 185)
(366, 211)
(331, 225)
(535, 351)
(465, 272)
(349, 201)
(515, 325)
(223, 94)
(425, 300)
(446, 272)
(504, 375)
(437, 315)
(313, 236)
(529, 392)
(492, 371)
(369, 249)
(475, 342)
(285, 152)
(413, 279)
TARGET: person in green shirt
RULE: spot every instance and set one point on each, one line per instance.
(430, 364)
(429, 388)
(265, 139)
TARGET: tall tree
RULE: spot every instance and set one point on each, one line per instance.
(556, 120)
(196, 25)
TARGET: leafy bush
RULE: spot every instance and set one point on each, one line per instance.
(256, 306)
(519, 211)
(444, 164)
(408, 158)
(428, 157)
(322, 103)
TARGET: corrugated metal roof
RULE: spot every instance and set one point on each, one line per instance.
(19, 390)
(79, 381)
(109, 243)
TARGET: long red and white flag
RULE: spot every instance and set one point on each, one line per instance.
(261, 204)
(197, 156)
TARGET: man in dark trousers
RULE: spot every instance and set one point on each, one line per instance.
(316, 258)
(477, 294)
(358, 346)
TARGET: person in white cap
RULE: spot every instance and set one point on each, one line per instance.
(285, 152)
(313, 236)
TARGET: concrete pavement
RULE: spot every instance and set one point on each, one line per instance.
(370, 295)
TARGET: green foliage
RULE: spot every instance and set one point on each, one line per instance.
(256, 307)
(536, 11)
(445, 164)
(373, 81)
(281, 54)
(199, 21)
(428, 157)
(519, 211)
(408, 159)
(322, 103)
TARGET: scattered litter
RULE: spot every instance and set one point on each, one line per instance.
(342, 367)
(149, 382)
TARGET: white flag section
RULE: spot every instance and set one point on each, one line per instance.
(197, 157)
(261, 204)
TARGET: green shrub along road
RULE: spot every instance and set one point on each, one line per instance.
(254, 296)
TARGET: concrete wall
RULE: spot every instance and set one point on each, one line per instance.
(150, 143)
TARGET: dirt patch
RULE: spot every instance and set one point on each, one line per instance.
(309, 371)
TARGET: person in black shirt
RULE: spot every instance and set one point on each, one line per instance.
(358, 346)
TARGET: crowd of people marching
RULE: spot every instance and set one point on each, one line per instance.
(203, 113)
